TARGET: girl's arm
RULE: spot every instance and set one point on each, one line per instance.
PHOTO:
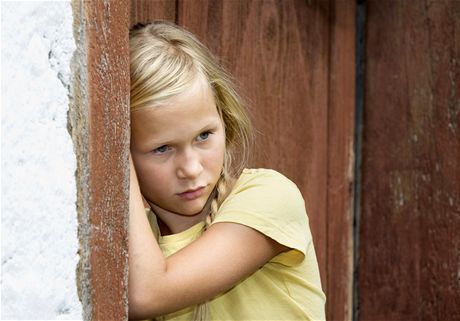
(224, 255)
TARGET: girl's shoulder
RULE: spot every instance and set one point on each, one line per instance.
(261, 171)
(264, 178)
(262, 188)
(270, 203)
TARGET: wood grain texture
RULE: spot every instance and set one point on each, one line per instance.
(410, 221)
(106, 30)
(278, 52)
(149, 10)
(281, 53)
(341, 126)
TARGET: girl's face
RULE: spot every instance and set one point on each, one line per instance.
(178, 150)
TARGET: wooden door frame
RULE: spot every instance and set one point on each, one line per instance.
(99, 125)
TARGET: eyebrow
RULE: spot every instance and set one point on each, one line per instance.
(213, 124)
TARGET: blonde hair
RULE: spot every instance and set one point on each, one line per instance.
(165, 60)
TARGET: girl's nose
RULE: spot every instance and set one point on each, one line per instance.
(189, 165)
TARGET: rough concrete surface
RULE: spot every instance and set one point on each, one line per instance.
(38, 213)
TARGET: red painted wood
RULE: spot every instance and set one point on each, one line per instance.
(149, 10)
(341, 125)
(410, 220)
(107, 95)
(280, 54)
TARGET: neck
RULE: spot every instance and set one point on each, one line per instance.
(173, 223)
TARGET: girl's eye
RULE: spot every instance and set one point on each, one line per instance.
(203, 136)
(161, 150)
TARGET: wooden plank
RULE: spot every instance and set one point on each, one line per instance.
(278, 52)
(100, 128)
(149, 10)
(341, 125)
(410, 222)
(108, 77)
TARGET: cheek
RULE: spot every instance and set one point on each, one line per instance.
(151, 177)
(215, 158)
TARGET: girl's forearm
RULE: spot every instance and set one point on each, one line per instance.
(147, 264)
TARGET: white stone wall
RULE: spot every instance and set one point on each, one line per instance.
(39, 221)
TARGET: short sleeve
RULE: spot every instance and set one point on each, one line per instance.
(270, 203)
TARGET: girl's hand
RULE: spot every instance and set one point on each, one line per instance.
(134, 188)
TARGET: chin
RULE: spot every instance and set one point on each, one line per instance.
(192, 210)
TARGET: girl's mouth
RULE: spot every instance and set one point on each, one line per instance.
(192, 194)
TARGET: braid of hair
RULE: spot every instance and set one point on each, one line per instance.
(201, 312)
(220, 194)
(221, 189)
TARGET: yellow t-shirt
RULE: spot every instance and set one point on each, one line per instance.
(288, 287)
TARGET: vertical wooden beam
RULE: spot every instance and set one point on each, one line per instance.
(99, 121)
(410, 219)
(341, 124)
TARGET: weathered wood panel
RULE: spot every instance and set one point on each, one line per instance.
(278, 52)
(410, 220)
(340, 145)
(149, 10)
(99, 121)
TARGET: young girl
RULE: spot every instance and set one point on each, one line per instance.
(217, 242)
